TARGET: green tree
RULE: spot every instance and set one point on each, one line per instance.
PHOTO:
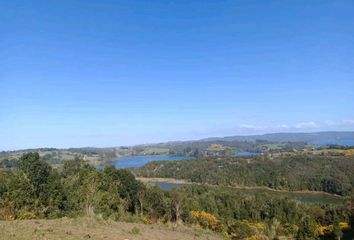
(36, 171)
(307, 229)
(156, 203)
(89, 190)
(177, 197)
(37, 187)
(72, 167)
(337, 231)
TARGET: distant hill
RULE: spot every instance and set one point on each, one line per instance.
(216, 146)
(320, 138)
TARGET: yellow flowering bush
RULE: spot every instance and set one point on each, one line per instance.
(260, 225)
(323, 230)
(23, 214)
(206, 220)
(344, 226)
(147, 221)
(246, 230)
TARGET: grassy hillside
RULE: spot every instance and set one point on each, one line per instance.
(85, 228)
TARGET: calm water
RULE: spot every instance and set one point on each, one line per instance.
(245, 154)
(317, 198)
(168, 186)
(139, 161)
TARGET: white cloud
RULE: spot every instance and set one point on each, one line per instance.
(283, 126)
(330, 123)
(253, 127)
(348, 122)
(341, 123)
(306, 125)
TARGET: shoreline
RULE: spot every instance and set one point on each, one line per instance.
(186, 182)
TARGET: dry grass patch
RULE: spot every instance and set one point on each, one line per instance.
(86, 228)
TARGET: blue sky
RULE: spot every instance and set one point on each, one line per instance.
(109, 73)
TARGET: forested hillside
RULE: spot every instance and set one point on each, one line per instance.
(328, 173)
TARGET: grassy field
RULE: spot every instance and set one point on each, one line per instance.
(85, 228)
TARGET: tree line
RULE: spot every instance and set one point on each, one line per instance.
(327, 173)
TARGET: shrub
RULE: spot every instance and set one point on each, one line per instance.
(245, 230)
(325, 230)
(147, 221)
(206, 220)
(6, 211)
(135, 231)
(25, 215)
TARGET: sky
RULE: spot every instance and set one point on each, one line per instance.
(109, 73)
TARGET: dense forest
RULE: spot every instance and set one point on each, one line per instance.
(328, 173)
(228, 148)
(35, 190)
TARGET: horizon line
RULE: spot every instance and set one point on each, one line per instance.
(175, 141)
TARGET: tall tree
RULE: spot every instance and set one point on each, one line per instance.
(307, 229)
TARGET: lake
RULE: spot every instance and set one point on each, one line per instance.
(168, 186)
(139, 161)
(306, 197)
(245, 154)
